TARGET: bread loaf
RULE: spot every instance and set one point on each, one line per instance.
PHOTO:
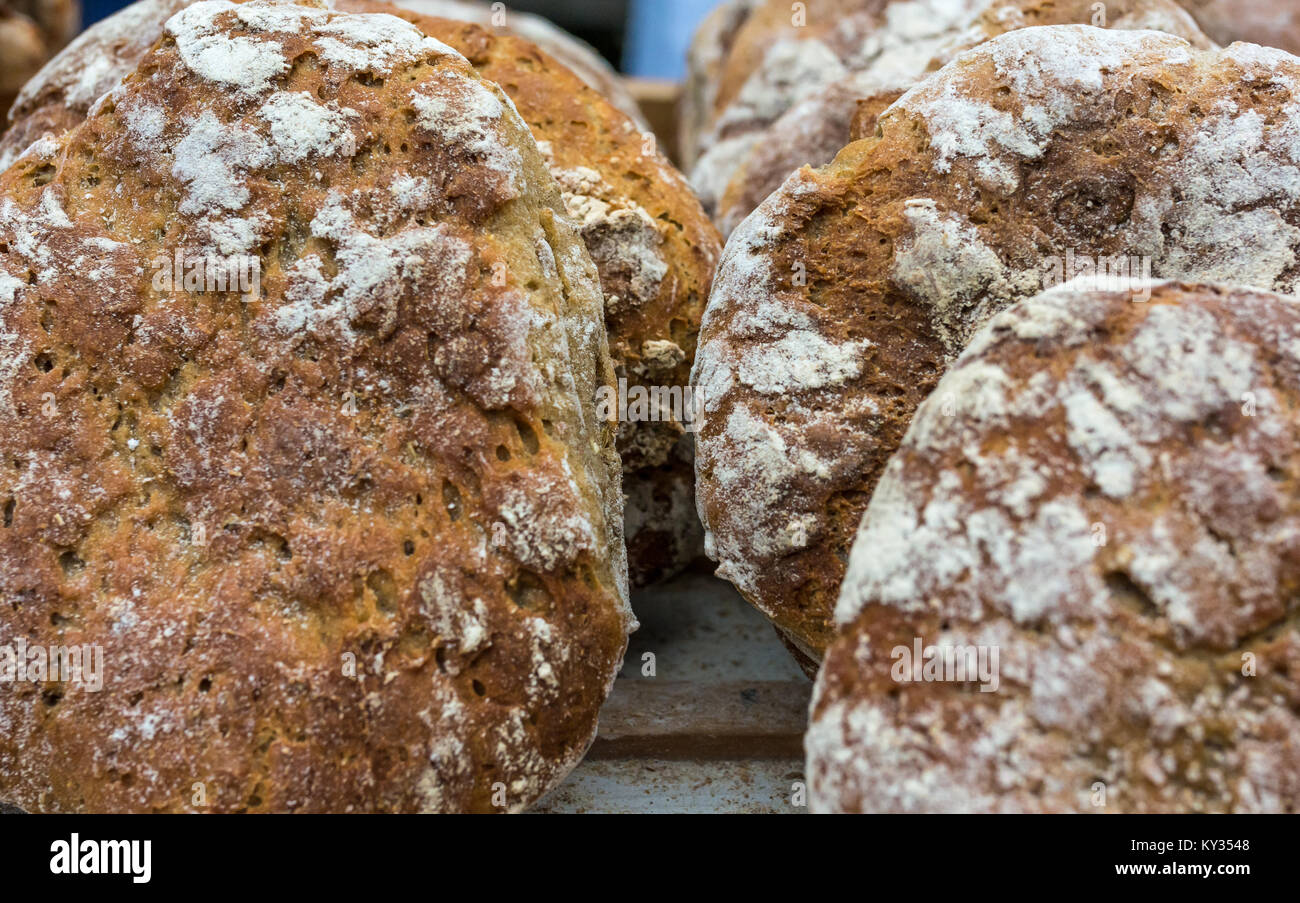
(574, 54)
(909, 44)
(704, 61)
(1097, 509)
(781, 58)
(654, 247)
(655, 251)
(349, 538)
(842, 299)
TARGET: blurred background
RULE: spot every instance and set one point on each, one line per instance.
(645, 38)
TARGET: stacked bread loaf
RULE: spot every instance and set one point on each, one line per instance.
(355, 530)
(1080, 491)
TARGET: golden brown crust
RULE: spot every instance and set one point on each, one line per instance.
(386, 459)
(653, 245)
(842, 298)
(890, 55)
(1103, 494)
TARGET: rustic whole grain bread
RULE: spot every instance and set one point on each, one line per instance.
(842, 299)
(31, 31)
(1104, 494)
(349, 538)
(812, 131)
(654, 247)
(1273, 23)
(784, 53)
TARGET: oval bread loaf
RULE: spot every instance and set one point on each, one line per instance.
(842, 299)
(349, 537)
(1092, 534)
(654, 247)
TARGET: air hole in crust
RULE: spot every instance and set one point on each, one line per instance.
(528, 436)
(450, 498)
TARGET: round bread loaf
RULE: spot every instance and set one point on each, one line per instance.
(349, 538)
(1097, 514)
(31, 31)
(812, 131)
(654, 247)
(842, 299)
(1273, 23)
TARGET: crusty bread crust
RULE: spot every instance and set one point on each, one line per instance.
(653, 245)
(1105, 493)
(842, 299)
(892, 56)
(352, 542)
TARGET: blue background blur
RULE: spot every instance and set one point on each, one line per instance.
(648, 37)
